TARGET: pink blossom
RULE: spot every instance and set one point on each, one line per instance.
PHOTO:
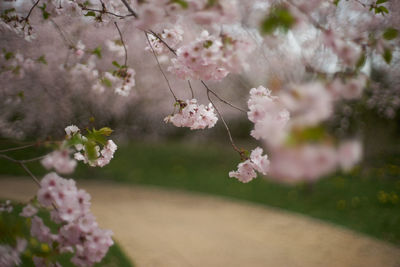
(193, 116)
(269, 116)
(349, 154)
(28, 211)
(60, 161)
(246, 170)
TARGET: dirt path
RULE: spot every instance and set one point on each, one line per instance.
(160, 228)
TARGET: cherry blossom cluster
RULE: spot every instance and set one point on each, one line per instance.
(122, 80)
(310, 162)
(269, 116)
(210, 57)
(14, 65)
(60, 161)
(6, 206)
(84, 143)
(78, 232)
(10, 256)
(247, 169)
(193, 116)
(153, 12)
(171, 36)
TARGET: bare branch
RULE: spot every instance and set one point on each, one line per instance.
(129, 8)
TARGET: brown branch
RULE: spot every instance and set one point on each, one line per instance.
(106, 12)
(222, 100)
(129, 8)
(30, 11)
(16, 148)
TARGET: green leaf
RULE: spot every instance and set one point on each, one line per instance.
(45, 14)
(279, 18)
(336, 2)
(207, 44)
(381, 1)
(76, 139)
(106, 82)
(106, 131)
(390, 33)
(115, 63)
(97, 51)
(182, 3)
(90, 149)
(211, 3)
(97, 137)
(387, 55)
(9, 10)
(361, 61)
(42, 60)
(90, 14)
(8, 55)
(381, 9)
(21, 94)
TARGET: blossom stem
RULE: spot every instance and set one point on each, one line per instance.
(123, 43)
(221, 99)
(225, 124)
(159, 66)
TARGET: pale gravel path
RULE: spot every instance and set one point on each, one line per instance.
(161, 228)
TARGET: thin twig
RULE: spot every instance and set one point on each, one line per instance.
(30, 11)
(159, 66)
(162, 41)
(16, 148)
(68, 43)
(223, 121)
(107, 12)
(30, 173)
(191, 89)
(123, 43)
(221, 99)
(129, 8)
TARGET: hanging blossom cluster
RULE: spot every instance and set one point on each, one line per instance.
(269, 116)
(60, 160)
(247, 169)
(86, 147)
(309, 162)
(79, 232)
(193, 116)
(210, 57)
(122, 80)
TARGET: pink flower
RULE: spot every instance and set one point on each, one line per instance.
(28, 211)
(269, 116)
(349, 154)
(246, 170)
(193, 116)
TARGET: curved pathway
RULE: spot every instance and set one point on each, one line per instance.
(157, 227)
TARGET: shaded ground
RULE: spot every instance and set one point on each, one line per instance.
(170, 228)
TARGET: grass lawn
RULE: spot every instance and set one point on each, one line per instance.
(365, 201)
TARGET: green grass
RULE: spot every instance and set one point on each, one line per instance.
(365, 201)
(12, 225)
